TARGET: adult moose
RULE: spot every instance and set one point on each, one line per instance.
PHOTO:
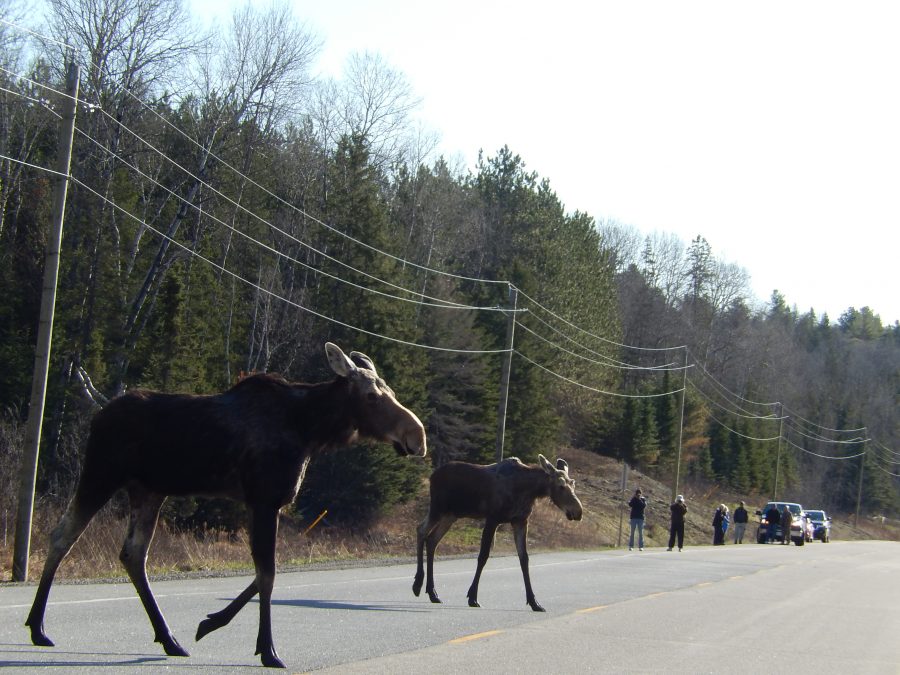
(251, 443)
(500, 493)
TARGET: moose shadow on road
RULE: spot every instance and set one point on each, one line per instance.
(354, 606)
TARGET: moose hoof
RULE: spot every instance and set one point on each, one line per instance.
(417, 588)
(207, 626)
(473, 603)
(434, 597)
(536, 607)
(172, 648)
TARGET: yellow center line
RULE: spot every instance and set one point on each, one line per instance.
(653, 595)
(474, 636)
(739, 576)
(586, 610)
(703, 583)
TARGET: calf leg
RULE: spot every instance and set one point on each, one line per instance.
(262, 545)
(421, 533)
(141, 526)
(434, 538)
(487, 541)
(520, 533)
(73, 523)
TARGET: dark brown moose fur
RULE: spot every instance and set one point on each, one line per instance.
(251, 443)
(500, 493)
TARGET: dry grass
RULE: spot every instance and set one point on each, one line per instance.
(598, 484)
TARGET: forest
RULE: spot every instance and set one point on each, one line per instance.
(228, 212)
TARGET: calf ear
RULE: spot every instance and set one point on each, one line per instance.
(562, 466)
(546, 465)
(338, 361)
(363, 361)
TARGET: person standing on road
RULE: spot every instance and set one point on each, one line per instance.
(773, 518)
(679, 510)
(638, 505)
(740, 523)
(786, 520)
(720, 524)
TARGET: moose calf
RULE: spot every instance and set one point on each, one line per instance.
(500, 493)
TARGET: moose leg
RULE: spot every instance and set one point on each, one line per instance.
(262, 545)
(141, 526)
(437, 532)
(520, 533)
(82, 508)
(223, 617)
(487, 541)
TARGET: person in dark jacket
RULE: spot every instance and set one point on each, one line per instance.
(741, 517)
(720, 524)
(786, 520)
(679, 510)
(773, 518)
(638, 504)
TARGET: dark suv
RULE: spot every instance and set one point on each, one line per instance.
(821, 525)
(798, 524)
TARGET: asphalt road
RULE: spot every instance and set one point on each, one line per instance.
(820, 608)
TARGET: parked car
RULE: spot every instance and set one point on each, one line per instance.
(799, 525)
(821, 525)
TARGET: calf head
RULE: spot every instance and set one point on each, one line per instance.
(562, 488)
(377, 413)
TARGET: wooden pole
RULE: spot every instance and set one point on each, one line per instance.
(28, 468)
(862, 465)
(507, 366)
(680, 429)
(778, 455)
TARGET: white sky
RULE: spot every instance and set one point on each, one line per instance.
(770, 128)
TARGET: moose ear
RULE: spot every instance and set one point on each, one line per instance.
(363, 361)
(546, 465)
(338, 361)
(562, 466)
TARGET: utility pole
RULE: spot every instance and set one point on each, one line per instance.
(28, 468)
(778, 456)
(507, 366)
(680, 427)
(862, 465)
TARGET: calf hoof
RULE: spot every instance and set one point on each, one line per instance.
(417, 587)
(40, 639)
(433, 596)
(270, 659)
(171, 646)
(473, 603)
(536, 607)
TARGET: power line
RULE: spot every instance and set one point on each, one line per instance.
(589, 388)
(265, 190)
(721, 386)
(815, 454)
(442, 303)
(819, 426)
(608, 363)
(738, 433)
(598, 337)
(275, 295)
(709, 399)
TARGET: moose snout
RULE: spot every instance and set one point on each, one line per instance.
(413, 442)
(574, 513)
